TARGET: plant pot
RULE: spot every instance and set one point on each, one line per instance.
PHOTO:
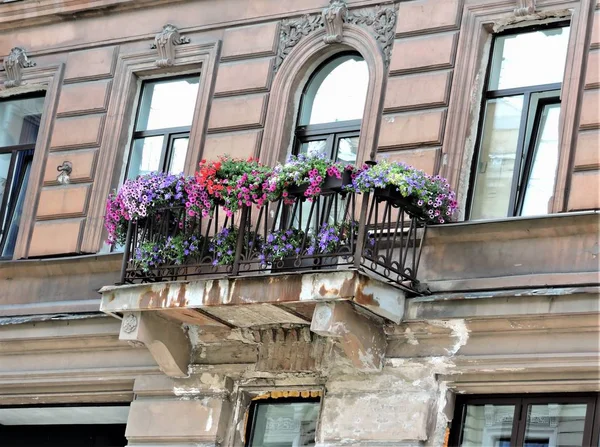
(391, 195)
(332, 183)
(297, 190)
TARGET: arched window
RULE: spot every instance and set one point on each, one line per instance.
(331, 108)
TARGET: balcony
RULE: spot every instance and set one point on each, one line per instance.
(373, 233)
(335, 251)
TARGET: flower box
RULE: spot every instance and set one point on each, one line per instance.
(330, 184)
(391, 195)
(334, 184)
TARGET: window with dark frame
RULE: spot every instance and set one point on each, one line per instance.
(330, 114)
(162, 126)
(514, 168)
(19, 126)
(283, 422)
(559, 420)
(332, 107)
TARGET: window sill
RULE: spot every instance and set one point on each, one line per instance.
(57, 266)
(520, 218)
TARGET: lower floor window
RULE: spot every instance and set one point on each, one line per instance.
(283, 422)
(562, 420)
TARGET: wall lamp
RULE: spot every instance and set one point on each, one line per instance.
(65, 171)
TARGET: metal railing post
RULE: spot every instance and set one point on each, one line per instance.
(126, 252)
(239, 247)
(362, 231)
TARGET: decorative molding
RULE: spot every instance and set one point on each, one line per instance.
(380, 20)
(525, 8)
(165, 42)
(166, 340)
(292, 31)
(129, 324)
(334, 17)
(13, 63)
(116, 138)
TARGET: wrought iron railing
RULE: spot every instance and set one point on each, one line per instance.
(376, 232)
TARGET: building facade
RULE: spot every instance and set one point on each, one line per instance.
(499, 347)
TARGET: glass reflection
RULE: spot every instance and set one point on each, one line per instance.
(488, 426)
(20, 121)
(285, 425)
(167, 103)
(347, 150)
(540, 185)
(145, 156)
(4, 166)
(337, 92)
(555, 425)
(313, 147)
(533, 58)
(493, 181)
(178, 153)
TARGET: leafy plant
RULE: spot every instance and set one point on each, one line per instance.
(299, 170)
(430, 194)
(280, 244)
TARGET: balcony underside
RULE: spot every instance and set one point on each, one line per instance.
(256, 300)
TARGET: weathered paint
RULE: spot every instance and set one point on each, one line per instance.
(223, 297)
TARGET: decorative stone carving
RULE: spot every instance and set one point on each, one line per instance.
(381, 20)
(525, 7)
(13, 63)
(334, 17)
(165, 42)
(292, 31)
(129, 323)
(166, 340)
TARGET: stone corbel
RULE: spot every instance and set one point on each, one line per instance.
(13, 63)
(165, 43)
(166, 341)
(525, 8)
(362, 339)
(334, 17)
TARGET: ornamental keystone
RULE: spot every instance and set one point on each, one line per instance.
(165, 42)
(334, 17)
(13, 63)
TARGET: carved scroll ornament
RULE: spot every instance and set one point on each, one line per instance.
(333, 18)
(525, 7)
(381, 20)
(165, 42)
(13, 63)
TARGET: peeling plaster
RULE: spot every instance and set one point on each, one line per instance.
(459, 330)
(411, 339)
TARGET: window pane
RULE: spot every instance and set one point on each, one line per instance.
(20, 121)
(555, 425)
(17, 198)
(167, 104)
(494, 174)
(347, 150)
(4, 166)
(337, 92)
(285, 425)
(178, 153)
(532, 58)
(488, 426)
(145, 156)
(313, 147)
(540, 185)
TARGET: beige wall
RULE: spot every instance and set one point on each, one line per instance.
(429, 95)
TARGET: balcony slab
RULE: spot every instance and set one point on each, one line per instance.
(247, 301)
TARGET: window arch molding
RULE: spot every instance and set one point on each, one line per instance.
(292, 76)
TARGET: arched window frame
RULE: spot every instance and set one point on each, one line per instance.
(330, 132)
(302, 60)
